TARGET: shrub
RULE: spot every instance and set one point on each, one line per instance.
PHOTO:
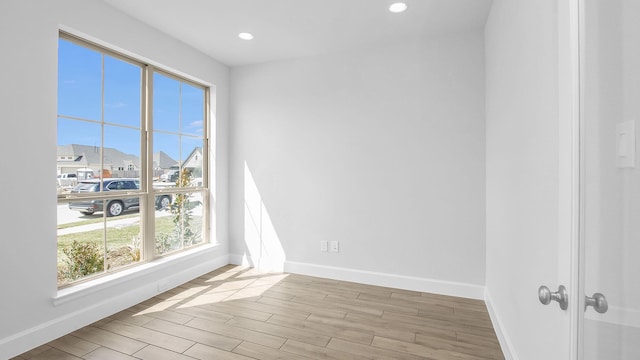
(82, 259)
(167, 242)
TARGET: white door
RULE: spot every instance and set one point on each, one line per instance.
(610, 206)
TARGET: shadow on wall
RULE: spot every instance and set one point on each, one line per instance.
(263, 248)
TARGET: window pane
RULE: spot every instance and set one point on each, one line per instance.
(80, 244)
(121, 152)
(79, 81)
(79, 145)
(195, 210)
(166, 157)
(166, 103)
(182, 227)
(192, 110)
(167, 231)
(122, 91)
(192, 159)
(72, 132)
(123, 233)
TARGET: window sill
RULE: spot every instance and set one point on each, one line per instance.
(75, 292)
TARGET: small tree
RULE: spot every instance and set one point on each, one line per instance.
(181, 210)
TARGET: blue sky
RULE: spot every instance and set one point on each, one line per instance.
(80, 94)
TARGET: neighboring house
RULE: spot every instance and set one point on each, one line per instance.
(163, 162)
(193, 162)
(74, 157)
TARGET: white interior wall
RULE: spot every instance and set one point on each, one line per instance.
(29, 38)
(380, 150)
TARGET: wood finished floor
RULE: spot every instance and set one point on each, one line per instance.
(240, 313)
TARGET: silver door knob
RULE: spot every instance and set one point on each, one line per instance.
(598, 301)
(561, 296)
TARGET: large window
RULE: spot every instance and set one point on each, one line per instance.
(132, 162)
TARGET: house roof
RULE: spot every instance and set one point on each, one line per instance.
(163, 160)
(111, 156)
(90, 155)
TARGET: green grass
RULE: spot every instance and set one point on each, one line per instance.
(117, 238)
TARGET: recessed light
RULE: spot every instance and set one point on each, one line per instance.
(245, 36)
(398, 7)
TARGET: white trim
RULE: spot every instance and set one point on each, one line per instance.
(105, 282)
(16, 344)
(451, 288)
(616, 315)
(570, 19)
(249, 261)
(508, 350)
(577, 16)
(241, 260)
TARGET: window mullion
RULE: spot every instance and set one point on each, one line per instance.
(206, 181)
(148, 213)
(101, 170)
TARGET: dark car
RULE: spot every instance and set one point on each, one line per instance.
(114, 207)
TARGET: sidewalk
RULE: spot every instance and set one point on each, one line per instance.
(100, 225)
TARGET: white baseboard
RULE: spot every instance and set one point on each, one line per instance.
(241, 260)
(503, 338)
(246, 260)
(30, 338)
(450, 288)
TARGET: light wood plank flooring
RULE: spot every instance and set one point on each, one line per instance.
(240, 313)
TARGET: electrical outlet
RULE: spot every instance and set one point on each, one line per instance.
(335, 246)
(324, 246)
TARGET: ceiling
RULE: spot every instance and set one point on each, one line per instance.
(285, 29)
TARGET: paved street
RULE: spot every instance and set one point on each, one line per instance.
(67, 216)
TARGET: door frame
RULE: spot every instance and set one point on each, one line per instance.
(571, 140)
(576, 58)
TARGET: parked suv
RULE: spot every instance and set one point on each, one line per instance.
(114, 207)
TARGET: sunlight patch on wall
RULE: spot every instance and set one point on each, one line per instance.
(264, 250)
